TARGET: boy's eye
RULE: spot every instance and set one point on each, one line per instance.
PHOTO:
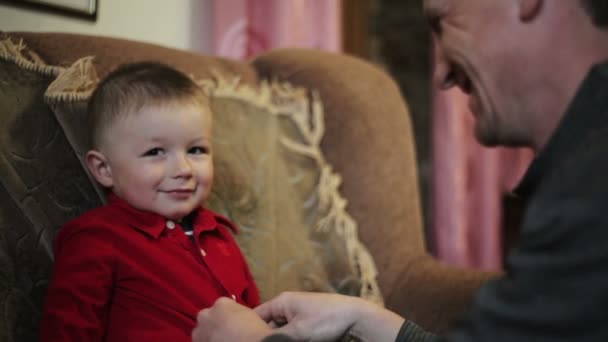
(154, 152)
(199, 150)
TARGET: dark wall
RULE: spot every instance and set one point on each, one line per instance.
(394, 34)
(400, 41)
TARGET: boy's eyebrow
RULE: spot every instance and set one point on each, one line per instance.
(156, 139)
(201, 140)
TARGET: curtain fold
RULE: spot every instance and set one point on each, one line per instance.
(468, 184)
(244, 28)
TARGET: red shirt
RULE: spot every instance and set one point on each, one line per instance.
(121, 274)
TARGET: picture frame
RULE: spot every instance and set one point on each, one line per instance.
(85, 9)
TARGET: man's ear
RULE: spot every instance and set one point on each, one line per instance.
(528, 9)
(100, 169)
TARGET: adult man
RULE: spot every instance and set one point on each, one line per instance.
(532, 70)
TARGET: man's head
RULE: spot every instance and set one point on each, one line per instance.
(151, 136)
(520, 61)
(598, 10)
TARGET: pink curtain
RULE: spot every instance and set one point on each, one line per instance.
(468, 184)
(244, 28)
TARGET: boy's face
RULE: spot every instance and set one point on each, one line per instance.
(158, 159)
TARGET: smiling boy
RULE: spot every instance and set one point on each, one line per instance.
(140, 267)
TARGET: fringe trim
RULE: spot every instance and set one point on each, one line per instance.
(278, 98)
(25, 58)
(75, 83)
(306, 111)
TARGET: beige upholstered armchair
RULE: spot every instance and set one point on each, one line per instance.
(332, 206)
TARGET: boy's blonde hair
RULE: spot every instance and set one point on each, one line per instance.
(134, 86)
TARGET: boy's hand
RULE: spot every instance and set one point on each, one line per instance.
(227, 320)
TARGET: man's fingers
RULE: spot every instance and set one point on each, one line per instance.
(268, 315)
(289, 330)
(271, 312)
(264, 311)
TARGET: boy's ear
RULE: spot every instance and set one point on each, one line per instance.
(100, 169)
(528, 9)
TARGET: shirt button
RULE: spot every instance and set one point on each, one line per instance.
(170, 224)
(203, 252)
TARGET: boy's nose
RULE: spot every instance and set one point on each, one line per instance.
(182, 167)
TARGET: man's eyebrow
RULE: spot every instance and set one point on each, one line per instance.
(430, 11)
(430, 8)
(435, 8)
(433, 12)
(432, 16)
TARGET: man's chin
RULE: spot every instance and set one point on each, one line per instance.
(486, 139)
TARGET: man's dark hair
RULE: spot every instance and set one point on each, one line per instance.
(134, 86)
(598, 10)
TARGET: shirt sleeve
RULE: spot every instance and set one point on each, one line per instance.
(251, 295)
(410, 332)
(278, 338)
(77, 300)
(555, 286)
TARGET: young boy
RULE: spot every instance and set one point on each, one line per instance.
(141, 267)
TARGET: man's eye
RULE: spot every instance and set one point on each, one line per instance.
(435, 24)
(154, 152)
(199, 150)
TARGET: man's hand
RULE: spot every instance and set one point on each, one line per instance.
(227, 320)
(326, 317)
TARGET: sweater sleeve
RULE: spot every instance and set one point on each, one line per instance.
(251, 294)
(410, 332)
(278, 338)
(555, 285)
(79, 293)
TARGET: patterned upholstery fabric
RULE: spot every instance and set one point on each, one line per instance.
(41, 186)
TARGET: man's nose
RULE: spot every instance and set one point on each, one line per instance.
(443, 73)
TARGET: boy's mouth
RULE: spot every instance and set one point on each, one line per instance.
(179, 193)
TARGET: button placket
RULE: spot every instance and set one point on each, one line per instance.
(214, 264)
(201, 249)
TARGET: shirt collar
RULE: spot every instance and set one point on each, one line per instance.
(153, 224)
(587, 112)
